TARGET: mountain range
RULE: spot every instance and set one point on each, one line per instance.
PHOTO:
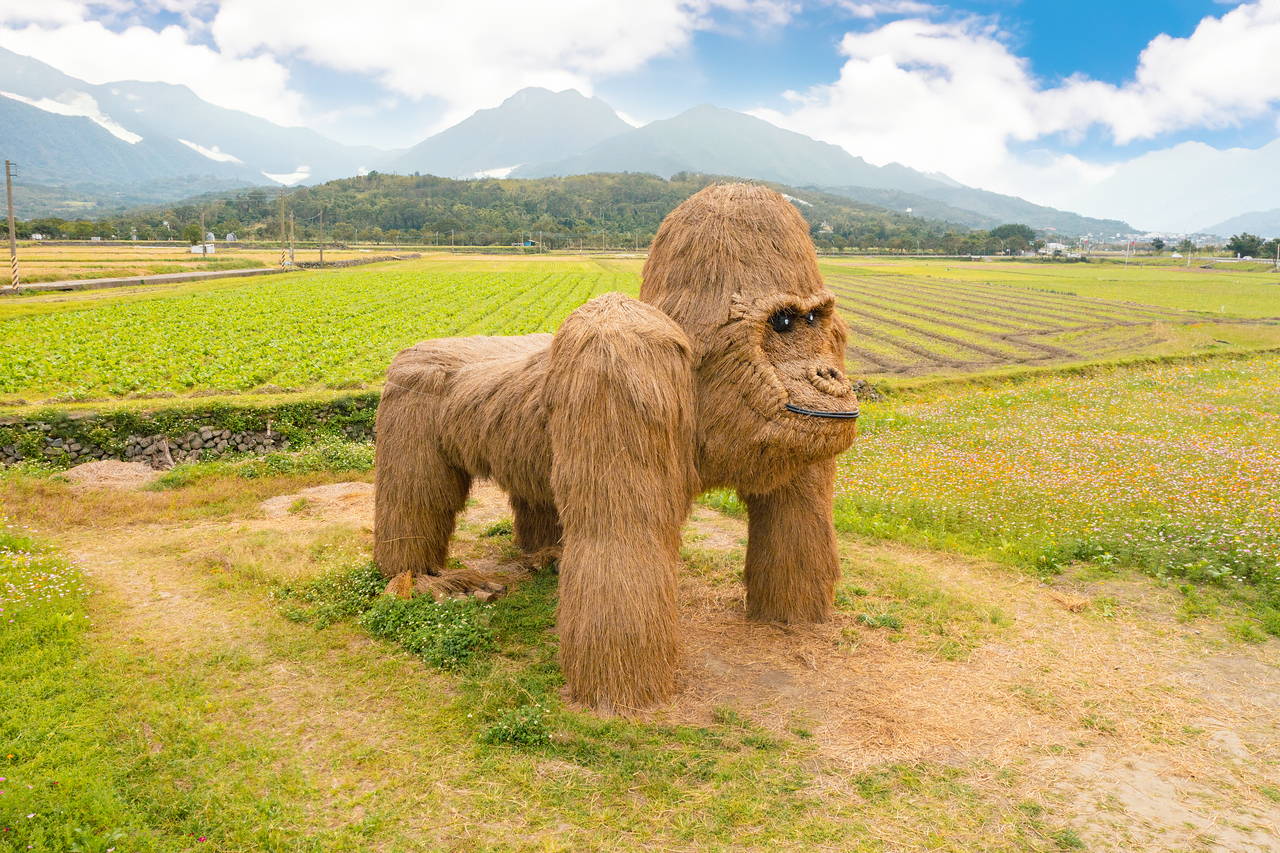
(131, 142)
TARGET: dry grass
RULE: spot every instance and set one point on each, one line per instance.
(40, 263)
(1085, 705)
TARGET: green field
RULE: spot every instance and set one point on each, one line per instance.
(1228, 290)
(339, 329)
(1060, 588)
(335, 329)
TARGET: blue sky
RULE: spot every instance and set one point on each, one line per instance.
(1035, 98)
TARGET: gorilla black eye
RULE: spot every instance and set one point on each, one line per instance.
(783, 321)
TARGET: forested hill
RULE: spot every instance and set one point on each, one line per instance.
(599, 209)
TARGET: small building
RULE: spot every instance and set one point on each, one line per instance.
(206, 249)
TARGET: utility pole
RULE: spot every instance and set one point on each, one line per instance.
(204, 247)
(13, 234)
(450, 239)
(282, 229)
(291, 239)
(322, 236)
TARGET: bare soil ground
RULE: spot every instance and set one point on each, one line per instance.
(1089, 697)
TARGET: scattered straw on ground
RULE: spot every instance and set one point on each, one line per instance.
(1149, 732)
(112, 473)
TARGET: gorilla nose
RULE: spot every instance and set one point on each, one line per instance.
(829, 380)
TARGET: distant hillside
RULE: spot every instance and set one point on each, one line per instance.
(983, 209)
(55, 149)
(532, 125)
(917, 205)
(127, 132)
(1263, 223)
(713, 140)
(95, 201)
(620, 209)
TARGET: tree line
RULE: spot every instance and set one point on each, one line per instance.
(555, 213)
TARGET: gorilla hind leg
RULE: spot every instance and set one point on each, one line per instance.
(417, 497)
(537, 526)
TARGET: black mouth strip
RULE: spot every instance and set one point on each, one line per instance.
(811, 412)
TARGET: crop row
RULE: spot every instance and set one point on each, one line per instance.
(920, 325)
(334, 329)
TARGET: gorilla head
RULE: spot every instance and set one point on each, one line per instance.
(735, 268)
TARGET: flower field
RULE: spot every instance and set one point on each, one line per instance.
(1174, 469)
(328, 329)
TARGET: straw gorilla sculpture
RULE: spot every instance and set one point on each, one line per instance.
(727, 372)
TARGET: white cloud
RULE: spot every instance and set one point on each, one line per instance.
(66, 39)
(473, 55)
(80, 104)
(952, 97)
(890, 7)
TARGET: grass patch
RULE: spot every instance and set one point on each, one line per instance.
(1108, 469)
(447, 634)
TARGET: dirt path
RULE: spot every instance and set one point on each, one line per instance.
(1145, 732)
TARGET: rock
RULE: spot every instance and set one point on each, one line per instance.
(494, 587)
(484, 596)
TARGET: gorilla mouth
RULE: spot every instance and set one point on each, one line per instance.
(829, 382)
(816, 414)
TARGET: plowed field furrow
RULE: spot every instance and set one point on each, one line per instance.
(1032, 299)
(973, 319)
(917, 329)
(1059, 311)
(1013, 346)
(923, 352)
(1051, 351)
(882, 349)
(1076, 302)
(881, 363)
(1041, 316)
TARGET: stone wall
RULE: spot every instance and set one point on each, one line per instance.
(186, 432)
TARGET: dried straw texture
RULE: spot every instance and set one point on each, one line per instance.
(792, 560)
(452, 410)
(619, 397)
(723, 264)
(730, 240)
(602, 435)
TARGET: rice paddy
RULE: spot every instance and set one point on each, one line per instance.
(907, 324)
(42, 263)
(329, 329)
(339, 328)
